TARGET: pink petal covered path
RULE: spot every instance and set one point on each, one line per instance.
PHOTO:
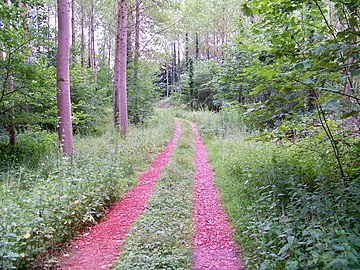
(214, 248)
(99, 248)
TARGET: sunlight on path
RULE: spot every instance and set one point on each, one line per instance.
(213, 247)
(99, 248)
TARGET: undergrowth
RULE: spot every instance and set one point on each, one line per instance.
(290, 207)
(51, 202)
(161, 237)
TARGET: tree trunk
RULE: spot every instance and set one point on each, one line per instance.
(174, 64)
(56, 17)
(129, 45)
(82, 33)
(26, 39)
(207, 47)
(63, 81)
(117, 73)
(89, 47)
(11, 114)
(167, 78)
(197, 46)
(178, 62)
(187, 51)
(191, 83)
(137, 30)
(92, 41)
(136, 63)
(73, 33)
(120, 68)
(109, 48)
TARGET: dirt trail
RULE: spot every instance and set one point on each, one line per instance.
(213, 246)
(99, 248)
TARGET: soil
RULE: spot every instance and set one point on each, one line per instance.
(99, 247)
(213, 246)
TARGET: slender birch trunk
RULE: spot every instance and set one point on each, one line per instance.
(63, 81)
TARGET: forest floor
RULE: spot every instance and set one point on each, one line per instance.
(207, 231)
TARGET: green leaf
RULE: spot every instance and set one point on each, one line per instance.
(268, 73)
(265, 265)
(291, 239)
(258, 89)
(247, 11)
(302, 65)
(284, 249)
(349, 114)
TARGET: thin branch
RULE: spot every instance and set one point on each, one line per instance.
(328, 132)
(341, 93)
(326, 21)
(156, 33)
(328, 90)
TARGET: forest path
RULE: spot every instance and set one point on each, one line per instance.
(213, 247)
(99, 248)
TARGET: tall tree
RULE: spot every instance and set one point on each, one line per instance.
(120, 93)
(174, 65)
(82, 24)
(10, 115)
(63, 80)
(73, 33)
(137, 31)
(92, 48)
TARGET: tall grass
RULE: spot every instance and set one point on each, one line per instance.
(50, 203)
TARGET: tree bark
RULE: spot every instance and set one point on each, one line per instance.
(120, 68)
(92, 42)
(186, 51)
(89, 47)
(197, 46)
(130, 30)
(109, 48)
(117, 73)
(174, 64)
(137, 30)
(178, 62)
(63, 81)
(10, 114)
(73, 33)
(82, 22)
(167, 78)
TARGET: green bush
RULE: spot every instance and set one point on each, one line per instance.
(29, 150)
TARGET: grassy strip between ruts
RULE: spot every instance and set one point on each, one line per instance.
(161, 238)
